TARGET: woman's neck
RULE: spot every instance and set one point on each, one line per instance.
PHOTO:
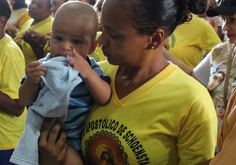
(37, 21)
(129, 79)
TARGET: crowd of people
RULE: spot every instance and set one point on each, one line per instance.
(128, 82)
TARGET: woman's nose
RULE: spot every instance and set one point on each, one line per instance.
(225, 26)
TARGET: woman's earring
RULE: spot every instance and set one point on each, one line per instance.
(152, 47)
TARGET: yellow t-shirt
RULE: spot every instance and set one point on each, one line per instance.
(24, 18)
(170, 120)
(190, 40)
(43, 27)
(98, 53)
(12, 70)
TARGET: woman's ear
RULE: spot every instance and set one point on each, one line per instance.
(93, 47)
(157, 38)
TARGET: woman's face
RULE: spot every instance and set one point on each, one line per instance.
(230, 27)
(39, 9)
(220, 109)
(122, 45)
(55, 4)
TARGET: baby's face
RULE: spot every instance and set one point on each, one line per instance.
(69, 33)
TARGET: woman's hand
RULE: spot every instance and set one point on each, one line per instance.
(52, 147)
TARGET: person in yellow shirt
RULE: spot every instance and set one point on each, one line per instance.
(157, 115)
(18, 17)
(12, 112)
(191, 40)
(41, 22)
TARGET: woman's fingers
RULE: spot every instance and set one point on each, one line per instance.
(52, 138)
(44, 132)
(61, 147)
(52, 150)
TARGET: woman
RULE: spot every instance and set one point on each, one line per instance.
(55, 4)
(190, 47)
(41, 22)
(157, 113)
(219, 59)
(18, 17)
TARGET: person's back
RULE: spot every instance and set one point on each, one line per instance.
(191, 40)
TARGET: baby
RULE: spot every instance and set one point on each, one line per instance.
(65, 82)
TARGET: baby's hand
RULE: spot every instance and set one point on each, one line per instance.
(79, 63)
(34, 71)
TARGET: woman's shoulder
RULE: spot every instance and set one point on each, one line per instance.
(222, 48)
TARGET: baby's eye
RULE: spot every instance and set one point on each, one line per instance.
(76, 41)
(58, 38)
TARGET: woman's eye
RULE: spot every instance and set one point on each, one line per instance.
(114, 37)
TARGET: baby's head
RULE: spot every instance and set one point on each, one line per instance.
(74, 26)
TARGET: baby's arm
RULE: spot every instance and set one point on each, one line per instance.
(99, 89)
(28, 91)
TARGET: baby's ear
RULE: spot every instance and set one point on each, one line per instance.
(93, 47)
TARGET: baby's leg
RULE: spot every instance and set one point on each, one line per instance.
(72, 157)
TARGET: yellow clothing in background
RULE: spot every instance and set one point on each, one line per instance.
(19, 17)
(191, 40)
(12, 70)
(98, 53)
(44, 27)
(169, 120)
(24, 18)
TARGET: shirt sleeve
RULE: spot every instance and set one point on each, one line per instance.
(202, 70)
(197, 137)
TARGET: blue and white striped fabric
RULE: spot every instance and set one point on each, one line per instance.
(80, 104)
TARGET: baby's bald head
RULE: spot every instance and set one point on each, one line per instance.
(77, 11)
